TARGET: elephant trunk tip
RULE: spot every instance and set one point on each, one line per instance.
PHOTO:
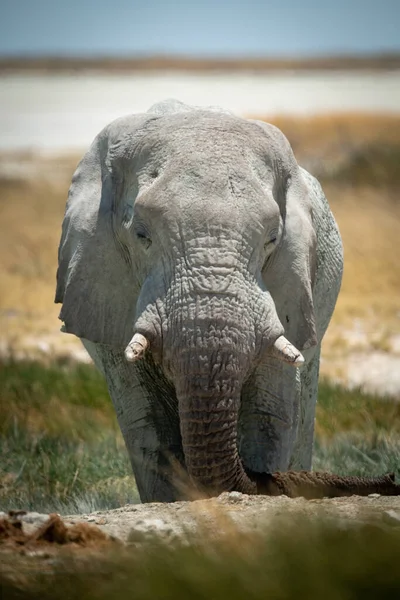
(136, 348)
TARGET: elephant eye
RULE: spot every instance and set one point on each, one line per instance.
(269, 244)
(144, 240)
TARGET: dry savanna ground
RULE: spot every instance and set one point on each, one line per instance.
(356, 157)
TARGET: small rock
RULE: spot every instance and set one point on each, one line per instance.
(235, 496)
(44, 347)
(38, 553)
(34, 518)
(16, 514)
(391, 517)
(91, 519)
(374, 495)
(136, 536)
(147, 529)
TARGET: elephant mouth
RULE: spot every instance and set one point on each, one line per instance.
(281, 349)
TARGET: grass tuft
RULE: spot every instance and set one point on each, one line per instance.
(358, 454)
(340, 410)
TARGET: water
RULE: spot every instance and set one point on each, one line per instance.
(65, 112)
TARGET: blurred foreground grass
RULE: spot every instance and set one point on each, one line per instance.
(61, 449)
(310, 561)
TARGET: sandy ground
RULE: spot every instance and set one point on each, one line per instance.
(229, 513)
(234, 510)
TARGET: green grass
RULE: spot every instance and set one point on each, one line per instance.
(47, 473)
(30, 392)
(341, 410)
(357, 454)
(61, 448)
(310, 561)
(356, 433)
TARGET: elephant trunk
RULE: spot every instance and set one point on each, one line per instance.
(209, 396)
(218, 343)
(208, 411)
(209, 399)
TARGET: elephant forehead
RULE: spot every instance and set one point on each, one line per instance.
(199, 160)
(206, 135)
(214, 184)
(202, 162)
(205, 141)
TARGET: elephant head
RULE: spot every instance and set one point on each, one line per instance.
(189, 235)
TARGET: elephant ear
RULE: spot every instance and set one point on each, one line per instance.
(95, 277)
(289, 273)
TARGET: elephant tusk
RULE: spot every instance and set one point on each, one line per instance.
(285, 351)
(136, 348)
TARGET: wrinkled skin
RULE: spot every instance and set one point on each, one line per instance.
(320, 485)
(199, 232)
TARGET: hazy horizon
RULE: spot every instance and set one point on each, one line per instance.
(199, 57)
(66, 112)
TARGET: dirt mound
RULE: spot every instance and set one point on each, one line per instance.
(13, 534)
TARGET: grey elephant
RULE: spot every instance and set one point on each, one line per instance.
(200, 266)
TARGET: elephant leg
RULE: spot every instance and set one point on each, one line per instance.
(269, 416)
(147, 414)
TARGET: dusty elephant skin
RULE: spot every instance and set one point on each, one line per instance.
(200, 266)
(322, 485)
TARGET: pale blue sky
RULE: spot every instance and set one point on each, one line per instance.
(199, 28)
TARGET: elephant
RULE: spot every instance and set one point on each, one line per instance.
(200, 266)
